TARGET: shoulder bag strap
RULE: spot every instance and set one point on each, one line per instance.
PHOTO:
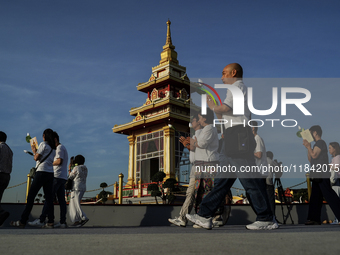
(44, 158)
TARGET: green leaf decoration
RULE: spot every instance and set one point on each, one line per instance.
(28, 138)
(298, 133)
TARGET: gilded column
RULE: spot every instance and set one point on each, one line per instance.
(131, 173)
(115, 185)
(120, 193)
(28, 187)
(169, 152)
(140, 191)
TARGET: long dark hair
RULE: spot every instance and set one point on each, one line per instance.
(49, 138)
(336, 146)
(316, 128)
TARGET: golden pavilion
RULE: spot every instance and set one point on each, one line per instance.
(154, 132)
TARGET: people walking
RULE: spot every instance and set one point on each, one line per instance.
(321, 186)
(60, 178)
(44, 157)
(230, 156)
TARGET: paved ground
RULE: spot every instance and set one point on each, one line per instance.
(230, 239)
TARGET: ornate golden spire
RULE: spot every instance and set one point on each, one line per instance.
(168, 54)
(168, 34)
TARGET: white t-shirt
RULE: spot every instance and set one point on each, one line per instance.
(46, 166)
(232, 119)
(260, 147)
(335, 174)
(269, 179)
(60, 171)
(335, 163)
(192, 153)
(208, 143)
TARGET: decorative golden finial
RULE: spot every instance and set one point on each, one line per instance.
(168, 33)
(168, 53)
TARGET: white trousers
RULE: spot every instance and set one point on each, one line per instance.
(189, 199)
(75, 211)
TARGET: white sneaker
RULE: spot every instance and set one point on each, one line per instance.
(200, 221)
(335, 222)
(263, 225)
(59, 225)
(36, 223)
(217, 223)
(178, 222)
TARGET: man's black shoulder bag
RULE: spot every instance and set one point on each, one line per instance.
(239, 142)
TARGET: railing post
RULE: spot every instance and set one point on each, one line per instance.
(115, 190)
(120, 199)
(29, 181)
(309, 186)
(140, 188)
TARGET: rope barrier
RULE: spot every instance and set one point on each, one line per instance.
(85, 191)
(16, 185)
(297, 185)
(239, 189)
(99, 188)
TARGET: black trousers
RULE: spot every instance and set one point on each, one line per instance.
(4, 181)
(45, 180)
(320, 190)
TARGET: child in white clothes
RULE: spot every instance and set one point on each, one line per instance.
(78, 175)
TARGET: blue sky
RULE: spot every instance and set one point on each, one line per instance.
(73, 66)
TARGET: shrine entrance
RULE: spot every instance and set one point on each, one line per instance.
(149, 168)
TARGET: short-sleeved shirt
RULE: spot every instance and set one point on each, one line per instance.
(232, 119)
(273, 164)
(46, 166)
(335, 174)
(6, 158)
(335, 163)
(320, 163)
(60, 171)
(260, 147)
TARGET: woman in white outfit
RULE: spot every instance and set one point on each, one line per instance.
(78, 175)
(334, 150)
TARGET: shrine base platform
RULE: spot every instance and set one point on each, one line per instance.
(157, 215)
